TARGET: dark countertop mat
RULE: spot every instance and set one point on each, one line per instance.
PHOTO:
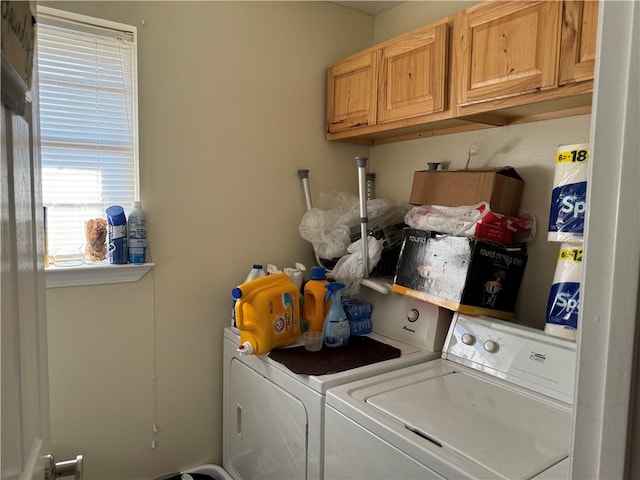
(358, 352)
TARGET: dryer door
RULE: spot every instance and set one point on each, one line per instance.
(267, 428)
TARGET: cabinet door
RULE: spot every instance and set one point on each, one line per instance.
(505, 49)
(413, 75)
(578, 41)
(352, 92)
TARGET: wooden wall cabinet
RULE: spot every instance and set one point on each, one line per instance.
(578, 41)
(403, 78)
(352, 92)
(494, 64)
(522, 61)
(413, 74)
(506, 49)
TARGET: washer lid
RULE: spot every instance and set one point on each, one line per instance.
(505, 430)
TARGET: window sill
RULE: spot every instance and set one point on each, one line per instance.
(94, 274)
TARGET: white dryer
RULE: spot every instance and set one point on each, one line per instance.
(496, 405)
(273, 419)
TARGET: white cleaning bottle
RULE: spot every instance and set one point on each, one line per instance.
(336, 331)
(256, 272)
(137, 234)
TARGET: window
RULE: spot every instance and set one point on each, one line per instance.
(87, 71)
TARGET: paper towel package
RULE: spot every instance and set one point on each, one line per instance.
(569, 196)
(460, 274)
(563, 306)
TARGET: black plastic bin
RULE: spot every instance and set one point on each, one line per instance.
(203, 472)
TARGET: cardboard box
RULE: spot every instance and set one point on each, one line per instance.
(501, 188)
(459, 273)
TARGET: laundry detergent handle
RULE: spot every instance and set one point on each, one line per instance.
(336, 331)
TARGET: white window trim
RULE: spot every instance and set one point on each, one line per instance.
(99, 274)
(84, 275)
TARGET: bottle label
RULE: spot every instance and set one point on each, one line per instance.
(137, 228)
(279, 324)
(137, 254)
(233, 313)
(117, 231)
(337, 332)
(137, 240)
(118, 244)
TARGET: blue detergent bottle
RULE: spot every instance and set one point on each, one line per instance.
(336, 330)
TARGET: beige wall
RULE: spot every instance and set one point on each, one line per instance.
(413, 14)
(231, 105)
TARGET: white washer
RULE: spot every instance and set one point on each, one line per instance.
(273, 419)
(496, 405)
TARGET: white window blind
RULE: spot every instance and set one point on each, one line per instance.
(88, 122)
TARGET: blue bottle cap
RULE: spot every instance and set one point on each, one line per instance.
(236, 293)
(115, 215)
(318, 273)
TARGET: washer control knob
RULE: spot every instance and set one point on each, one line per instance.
(413, 314)
(491, 346)
(468, 339)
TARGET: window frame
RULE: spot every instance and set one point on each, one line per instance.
(86, 274)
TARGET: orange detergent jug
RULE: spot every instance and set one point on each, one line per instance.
(267, 313)
(314, 306)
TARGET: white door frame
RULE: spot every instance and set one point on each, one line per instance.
(609, 296)
(24, 417)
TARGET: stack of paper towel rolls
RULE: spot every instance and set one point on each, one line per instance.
(566, 225)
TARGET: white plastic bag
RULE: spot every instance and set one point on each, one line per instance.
(331, 225)
(349, 269)
(453, 220)
(330, 238)
(473, 221)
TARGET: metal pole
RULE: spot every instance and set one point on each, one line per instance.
(304, 176)
(362, 195)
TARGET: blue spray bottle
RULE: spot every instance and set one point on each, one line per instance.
(336, 331)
